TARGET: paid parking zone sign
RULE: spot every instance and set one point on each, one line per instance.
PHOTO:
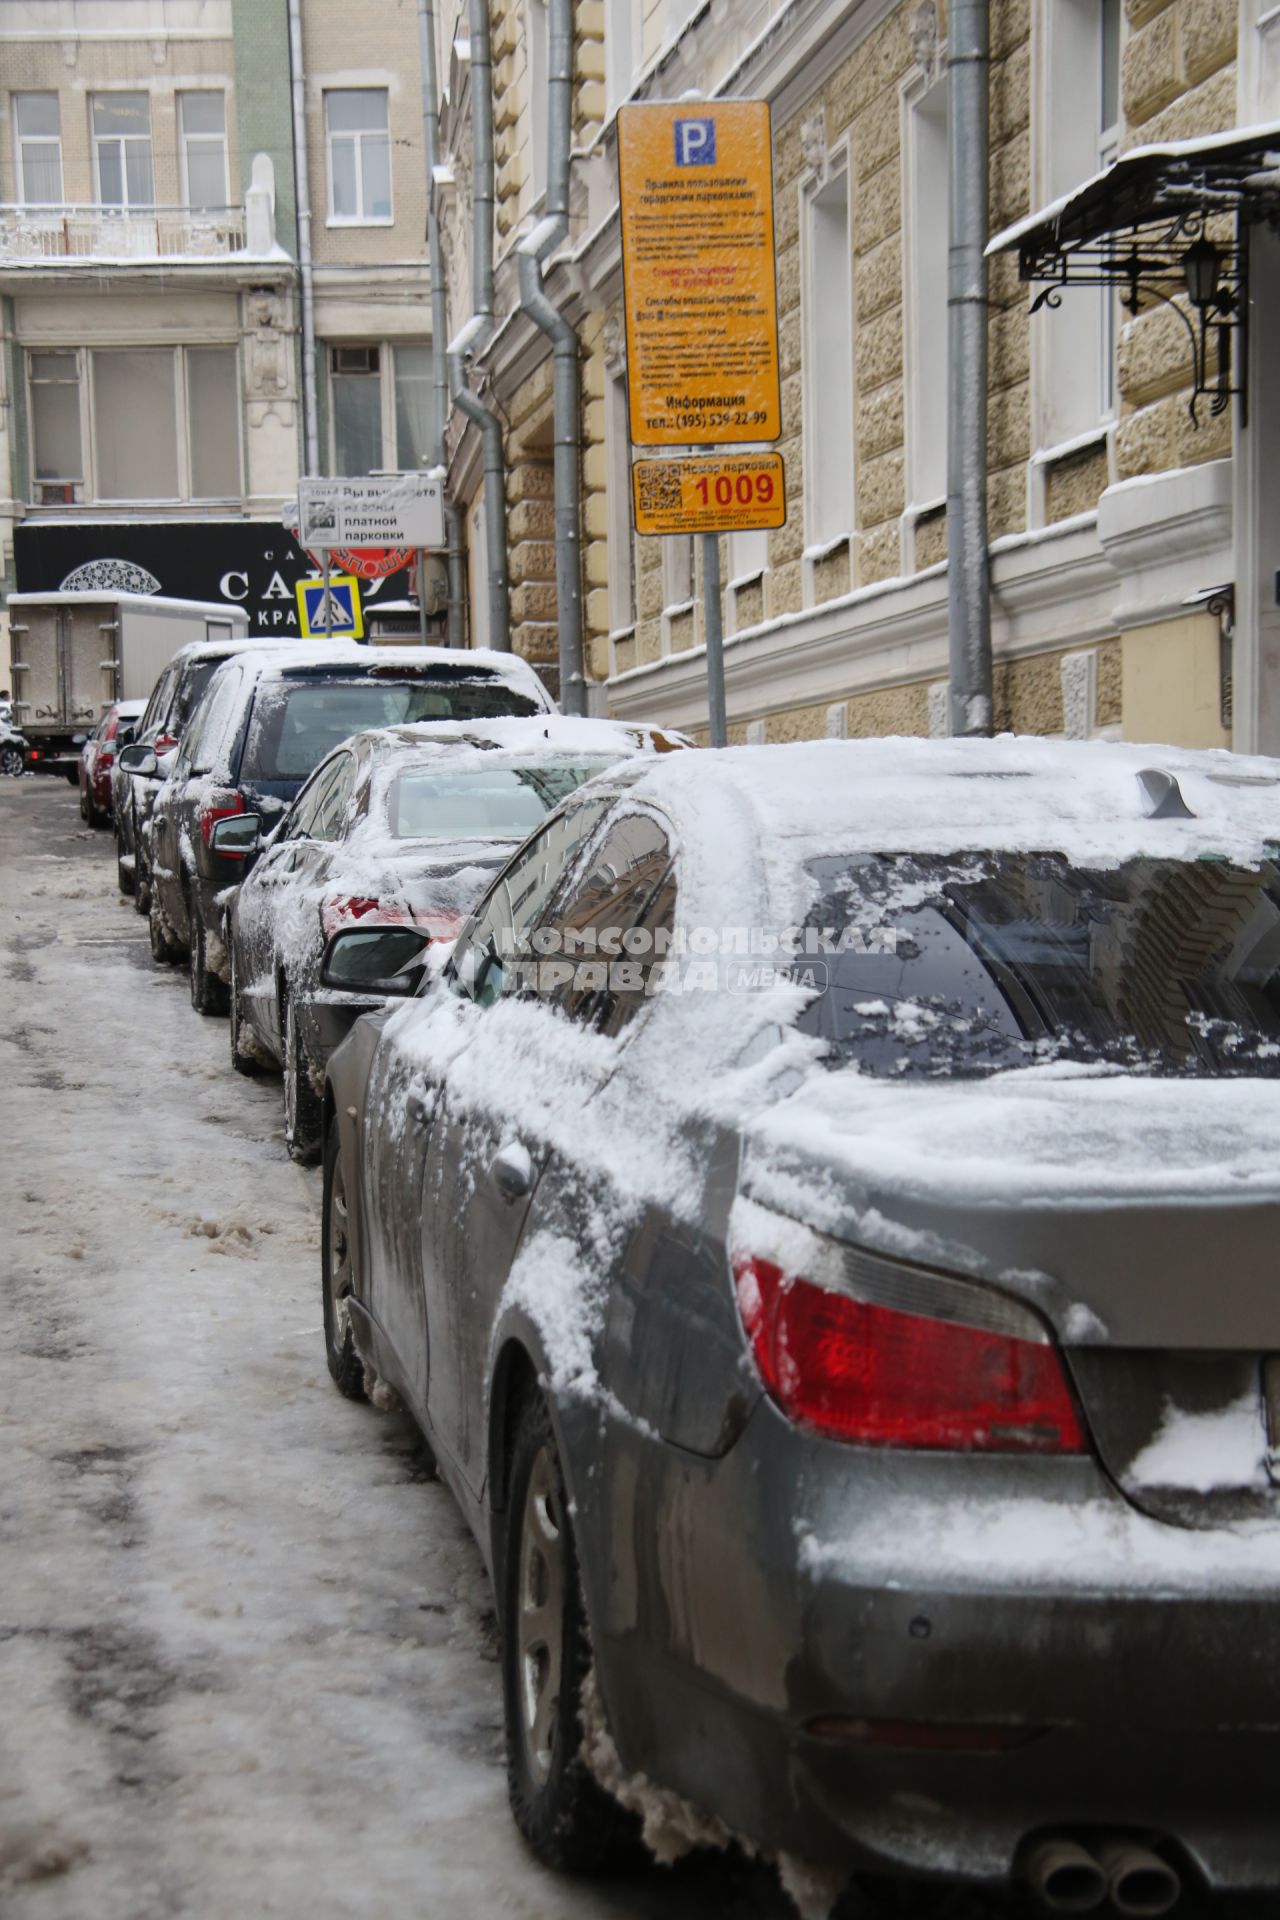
(724, 493)
(696, 194)
(344, 620)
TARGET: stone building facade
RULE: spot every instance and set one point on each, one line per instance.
(1112, 515)
(150, 277)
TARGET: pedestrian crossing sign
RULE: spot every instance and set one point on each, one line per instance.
(345, 621)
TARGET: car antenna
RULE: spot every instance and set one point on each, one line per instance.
(1164, 795)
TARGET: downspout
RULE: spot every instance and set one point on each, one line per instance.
(480, 326)
(302, 191)
(531, 253)
(455, 630)
(968, 571)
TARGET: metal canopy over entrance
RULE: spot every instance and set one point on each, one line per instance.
(1167, 223)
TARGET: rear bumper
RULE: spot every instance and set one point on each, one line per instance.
(795, 1581)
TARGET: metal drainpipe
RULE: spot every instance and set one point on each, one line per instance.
(480, 326)
(302, 197)
(455, 629)
(531, 252)
(969, 579)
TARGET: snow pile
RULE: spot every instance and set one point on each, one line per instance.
(1205, 1452)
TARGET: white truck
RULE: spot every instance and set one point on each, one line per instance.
(72, 654)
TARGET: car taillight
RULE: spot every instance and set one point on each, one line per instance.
(348, 910)
(164, 743)
(106, 758)
(906, 1358)
(215, 807)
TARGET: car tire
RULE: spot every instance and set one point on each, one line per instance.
(245, 1057)
(208, 993)
(303, 1113)
(164, 949)
(563, 1812)
(126, 877)
(10, 762)
(84, 806)
(338, 1274)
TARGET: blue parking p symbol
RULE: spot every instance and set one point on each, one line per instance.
(695, 143)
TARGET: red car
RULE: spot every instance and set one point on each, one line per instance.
(98, 756)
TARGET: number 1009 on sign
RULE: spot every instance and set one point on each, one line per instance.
(740, 493)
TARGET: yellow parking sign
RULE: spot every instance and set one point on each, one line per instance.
(345, 621)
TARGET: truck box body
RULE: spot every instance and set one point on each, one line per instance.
(72, 654)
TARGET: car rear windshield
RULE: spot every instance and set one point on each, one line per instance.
(977, 963)
(195, 679)
(296, 722)
(487, 803)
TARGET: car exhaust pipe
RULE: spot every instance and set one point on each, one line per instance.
(1139, 1881)
(1065, 1877)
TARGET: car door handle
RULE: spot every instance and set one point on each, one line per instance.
(512, 1171)
(422, 1108)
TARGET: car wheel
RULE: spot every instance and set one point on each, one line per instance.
(208, 993)
(126, 877)
(164, 949)
(10, 761)
(303, 1114)
(244, 1056)
(84, 806)
(142, 876)
(97, 818)
(338, 1274)
(561, 1809)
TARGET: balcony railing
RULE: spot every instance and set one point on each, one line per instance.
(120, 233)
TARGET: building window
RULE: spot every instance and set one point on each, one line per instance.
(926, 307)
(57, 461)
(621, 548)
(165, 425)
(122, 149)
(677, 571)
(828, 372)
(538, 32)
(202, 118)
(38, 134)
(1078, 43)
(359, 155)
(383, 407)
(135, 425)
(748, 556)
(415, 406)
(213, 422)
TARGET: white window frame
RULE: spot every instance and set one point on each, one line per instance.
(361, 219)
(203, 140)
(88, 437)
(748, 564)
(922, 95)
(1067, 93)
(621, 548)
(386, 377)
(838, 168)
(20, 140)
(100, 140)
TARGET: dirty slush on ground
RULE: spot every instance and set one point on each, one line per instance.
(248, 1661)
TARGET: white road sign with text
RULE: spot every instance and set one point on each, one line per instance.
(372, 510)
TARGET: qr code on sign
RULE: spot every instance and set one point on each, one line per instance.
(659, 490)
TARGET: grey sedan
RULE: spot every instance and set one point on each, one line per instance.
(822, 1220)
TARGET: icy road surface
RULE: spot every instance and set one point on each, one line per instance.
(247, 1658)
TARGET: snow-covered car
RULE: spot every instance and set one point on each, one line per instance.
(267, 718)
(823, 1220)
(172, 702)
(395, 835)
(98, 758)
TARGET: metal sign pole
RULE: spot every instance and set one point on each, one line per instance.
(718, 731)
(328, 600)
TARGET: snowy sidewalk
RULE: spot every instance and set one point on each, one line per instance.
(247, 1663)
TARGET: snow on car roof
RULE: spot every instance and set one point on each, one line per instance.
(1082, 799)
(545, 733)
(275, 654)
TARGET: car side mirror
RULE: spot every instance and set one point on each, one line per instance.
(236, 837)
(138, 759)
(379, 960)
